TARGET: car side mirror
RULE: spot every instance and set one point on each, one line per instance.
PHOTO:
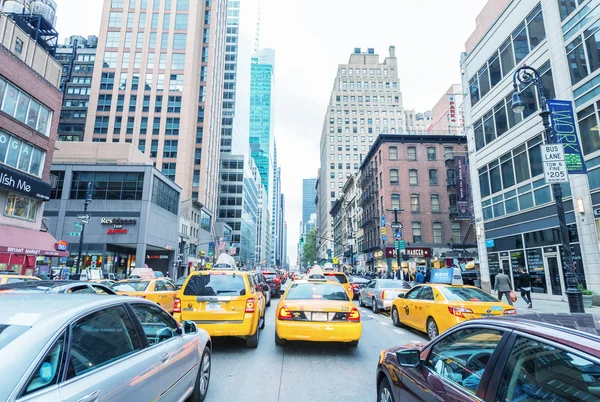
(189, 327)
(409, 357)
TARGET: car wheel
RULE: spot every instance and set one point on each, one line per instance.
(396, 317)
(374, 306)
(360, 301)
(202, 379)
(262, 322)
(352, 344)
(432, 329)
(278, 340)
(384, 393)
(252, 341)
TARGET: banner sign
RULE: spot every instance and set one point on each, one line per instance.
(462, 193)
(564, 131)
(453, 118)
(24, 184)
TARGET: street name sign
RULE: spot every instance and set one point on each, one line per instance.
(84, 216)
(555, 168)
(396, 226)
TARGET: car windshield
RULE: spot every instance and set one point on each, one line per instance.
(215, 285)
(392, 284)
(181, 280)
(341, 278)
(467, 294)
(15, 280)
(9, 333)
(317, 291)
(130, 286)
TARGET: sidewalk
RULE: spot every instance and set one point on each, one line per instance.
(547, 306)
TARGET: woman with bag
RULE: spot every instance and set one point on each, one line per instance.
(503, 287)
(525, 285)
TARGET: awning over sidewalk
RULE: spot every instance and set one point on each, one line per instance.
(20, 241)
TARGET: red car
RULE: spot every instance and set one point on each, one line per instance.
(549, 357)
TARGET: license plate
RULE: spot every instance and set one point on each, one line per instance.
(319, 316)
(212, 306)
(487, 315)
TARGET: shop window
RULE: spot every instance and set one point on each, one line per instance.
(21, 155)
(21, 207)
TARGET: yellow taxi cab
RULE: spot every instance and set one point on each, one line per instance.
(159, 291)
(341, 278)
(11, 278)
(435, 307)
(224, 301)
(317, 310)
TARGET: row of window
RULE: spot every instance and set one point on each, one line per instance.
(365, 85)
(498, 120)
(175, 82)
(584, 53)
(105, 186)
(23, 107)
(115, 20)
(361, 112)
(367, 99)
(371, 71)
(21, 207)
(181, 5)
(369, 121)
(113, 40)
(111, 58)
(417, 234)
(21, 155)
(354, 138)
(515, 48)
(172, 125)
(105, 103)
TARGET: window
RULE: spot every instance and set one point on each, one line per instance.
(50, 367)
(113, 39)
(393, 176)
(535, 368)
(437, 232)
(412, 153)
(115, 19)
(415, 205)
(178, 61)
(393, 153)
(435, 203)
(183, 5)
(179, 41)
(108, 186)
(413, 177)
(164, 196)
(588, 129)
(431, 154)
(21, 207)
(156, 324)
(566, 7)
(456, 237)
(448, 357)
(181, 21)
(101, 338)
(170, 149)
(416, 232)
(21, 106)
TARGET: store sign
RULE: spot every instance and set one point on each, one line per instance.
(462, 191)
(157, 257)
(452, 114)
(390, 252)
(117, 222)
(116, 231)
(29, 251)
(61, 245)
(564, 131)
(418, 252)
(24, 184)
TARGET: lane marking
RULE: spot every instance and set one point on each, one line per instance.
(399, 332)
(413, 341)
(384, 323)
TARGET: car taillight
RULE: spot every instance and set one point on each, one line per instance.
(177, 305)
(354, 315)
(354, 286)
(284, 314)
(250, 305)
(383, 295)
(510, 311)
(459, 311)
(276, 280)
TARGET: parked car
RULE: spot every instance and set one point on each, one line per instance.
(261, 282)
(89, 348)
(105, 282)
(357, 283)
(159, 290)
(273, 281)
(14, 278)
(56, 287)
(530, 357)
(379, 294)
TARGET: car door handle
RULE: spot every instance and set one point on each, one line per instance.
(90, 397)
(164, 358)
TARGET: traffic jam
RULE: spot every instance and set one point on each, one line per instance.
(92, 341)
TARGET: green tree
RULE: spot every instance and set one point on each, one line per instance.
(309, 251)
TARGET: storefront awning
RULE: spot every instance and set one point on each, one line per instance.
(14, 240)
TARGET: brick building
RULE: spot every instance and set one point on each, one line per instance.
(416, 175)
(30, 104)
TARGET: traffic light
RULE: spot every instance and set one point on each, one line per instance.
(302, 241)
(383, 231)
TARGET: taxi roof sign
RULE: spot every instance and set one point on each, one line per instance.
(447, 276)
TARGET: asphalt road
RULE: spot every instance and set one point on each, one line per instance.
(304, 371)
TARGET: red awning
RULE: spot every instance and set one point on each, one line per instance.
(14, 240)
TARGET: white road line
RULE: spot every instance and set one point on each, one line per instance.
(384, 323)
(399, 332)
(417, 341)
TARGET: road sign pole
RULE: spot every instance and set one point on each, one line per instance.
(88, 201)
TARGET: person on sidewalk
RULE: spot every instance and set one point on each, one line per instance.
(503, 286)
(525, 286)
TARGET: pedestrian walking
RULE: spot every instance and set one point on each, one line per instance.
(503, 286)
(525, 286)
(420, 278)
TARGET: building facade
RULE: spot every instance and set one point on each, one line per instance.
(514, 206)
(309, 194)
(77, 58)
(195, 235)
(158, 84)
(447, 115)
(416, 176)
(263, 235)
(30, 103)
(365, 101)
(134, 214)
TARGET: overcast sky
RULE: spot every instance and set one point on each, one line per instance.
(310, 39)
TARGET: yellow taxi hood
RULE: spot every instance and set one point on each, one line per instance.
(317, 305)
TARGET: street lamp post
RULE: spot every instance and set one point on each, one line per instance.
(88, 201)
(528, 75)
(396, 230)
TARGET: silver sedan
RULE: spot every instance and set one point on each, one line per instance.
(380, 293)
(88, 348)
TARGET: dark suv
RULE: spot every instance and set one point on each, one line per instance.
(274, 281)
(554, 357)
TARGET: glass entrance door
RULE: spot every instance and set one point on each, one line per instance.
(505, 265)
(553, 273)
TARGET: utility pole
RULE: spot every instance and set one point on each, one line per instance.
(397, 226)
(84, 221)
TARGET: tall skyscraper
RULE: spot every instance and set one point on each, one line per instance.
(262, 141)
(230, 75)
(365, 101)
(160, 87)
(309, 193)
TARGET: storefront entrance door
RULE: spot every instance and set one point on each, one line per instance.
(505, 265)
(553, 275)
